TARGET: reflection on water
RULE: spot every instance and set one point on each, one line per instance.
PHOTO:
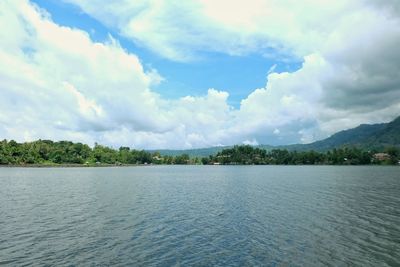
(201, 215)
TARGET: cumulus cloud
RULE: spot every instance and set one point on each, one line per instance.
(57, 83)
(178, 30)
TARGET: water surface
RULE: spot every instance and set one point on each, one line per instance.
(200, 215)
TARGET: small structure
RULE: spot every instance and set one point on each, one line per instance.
(381, 156)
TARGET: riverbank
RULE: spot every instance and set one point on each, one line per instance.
(141, 165)
(69, 165)
(45, 153)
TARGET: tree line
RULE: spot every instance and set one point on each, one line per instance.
(47, 152)
(65, 152)
(248, 155)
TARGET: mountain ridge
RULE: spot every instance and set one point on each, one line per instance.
(365, 136)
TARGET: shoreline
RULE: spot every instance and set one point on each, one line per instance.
(67, 165)
(143, 165)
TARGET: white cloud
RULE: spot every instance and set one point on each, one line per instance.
(57, 83)
(179, 29)
(252, 142)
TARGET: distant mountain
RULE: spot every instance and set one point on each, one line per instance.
(199, 152)
(366, 136)
(388, 136)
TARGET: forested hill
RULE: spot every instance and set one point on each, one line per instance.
(390, 135)
(365, 136)
(353, 136)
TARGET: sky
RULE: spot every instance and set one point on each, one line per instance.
(188, 74)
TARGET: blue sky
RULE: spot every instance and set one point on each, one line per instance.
(170, 74)
(209, 70)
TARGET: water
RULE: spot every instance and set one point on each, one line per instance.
(200, 215)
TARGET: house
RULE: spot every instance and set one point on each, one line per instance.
(381, 156)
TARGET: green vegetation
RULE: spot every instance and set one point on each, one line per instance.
(354, 146)
(45, 152)
(247, 155)
(368, 137)
(193, 153)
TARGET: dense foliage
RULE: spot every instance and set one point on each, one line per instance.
(368, 137)
(253, 155)
(365, 136)
(64, 152)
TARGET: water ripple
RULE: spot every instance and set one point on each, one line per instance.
(200, 216)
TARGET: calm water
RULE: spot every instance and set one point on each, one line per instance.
(200, 215)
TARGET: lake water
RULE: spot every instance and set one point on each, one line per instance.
(200, 215)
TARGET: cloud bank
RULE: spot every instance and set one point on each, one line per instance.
(57, 83)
